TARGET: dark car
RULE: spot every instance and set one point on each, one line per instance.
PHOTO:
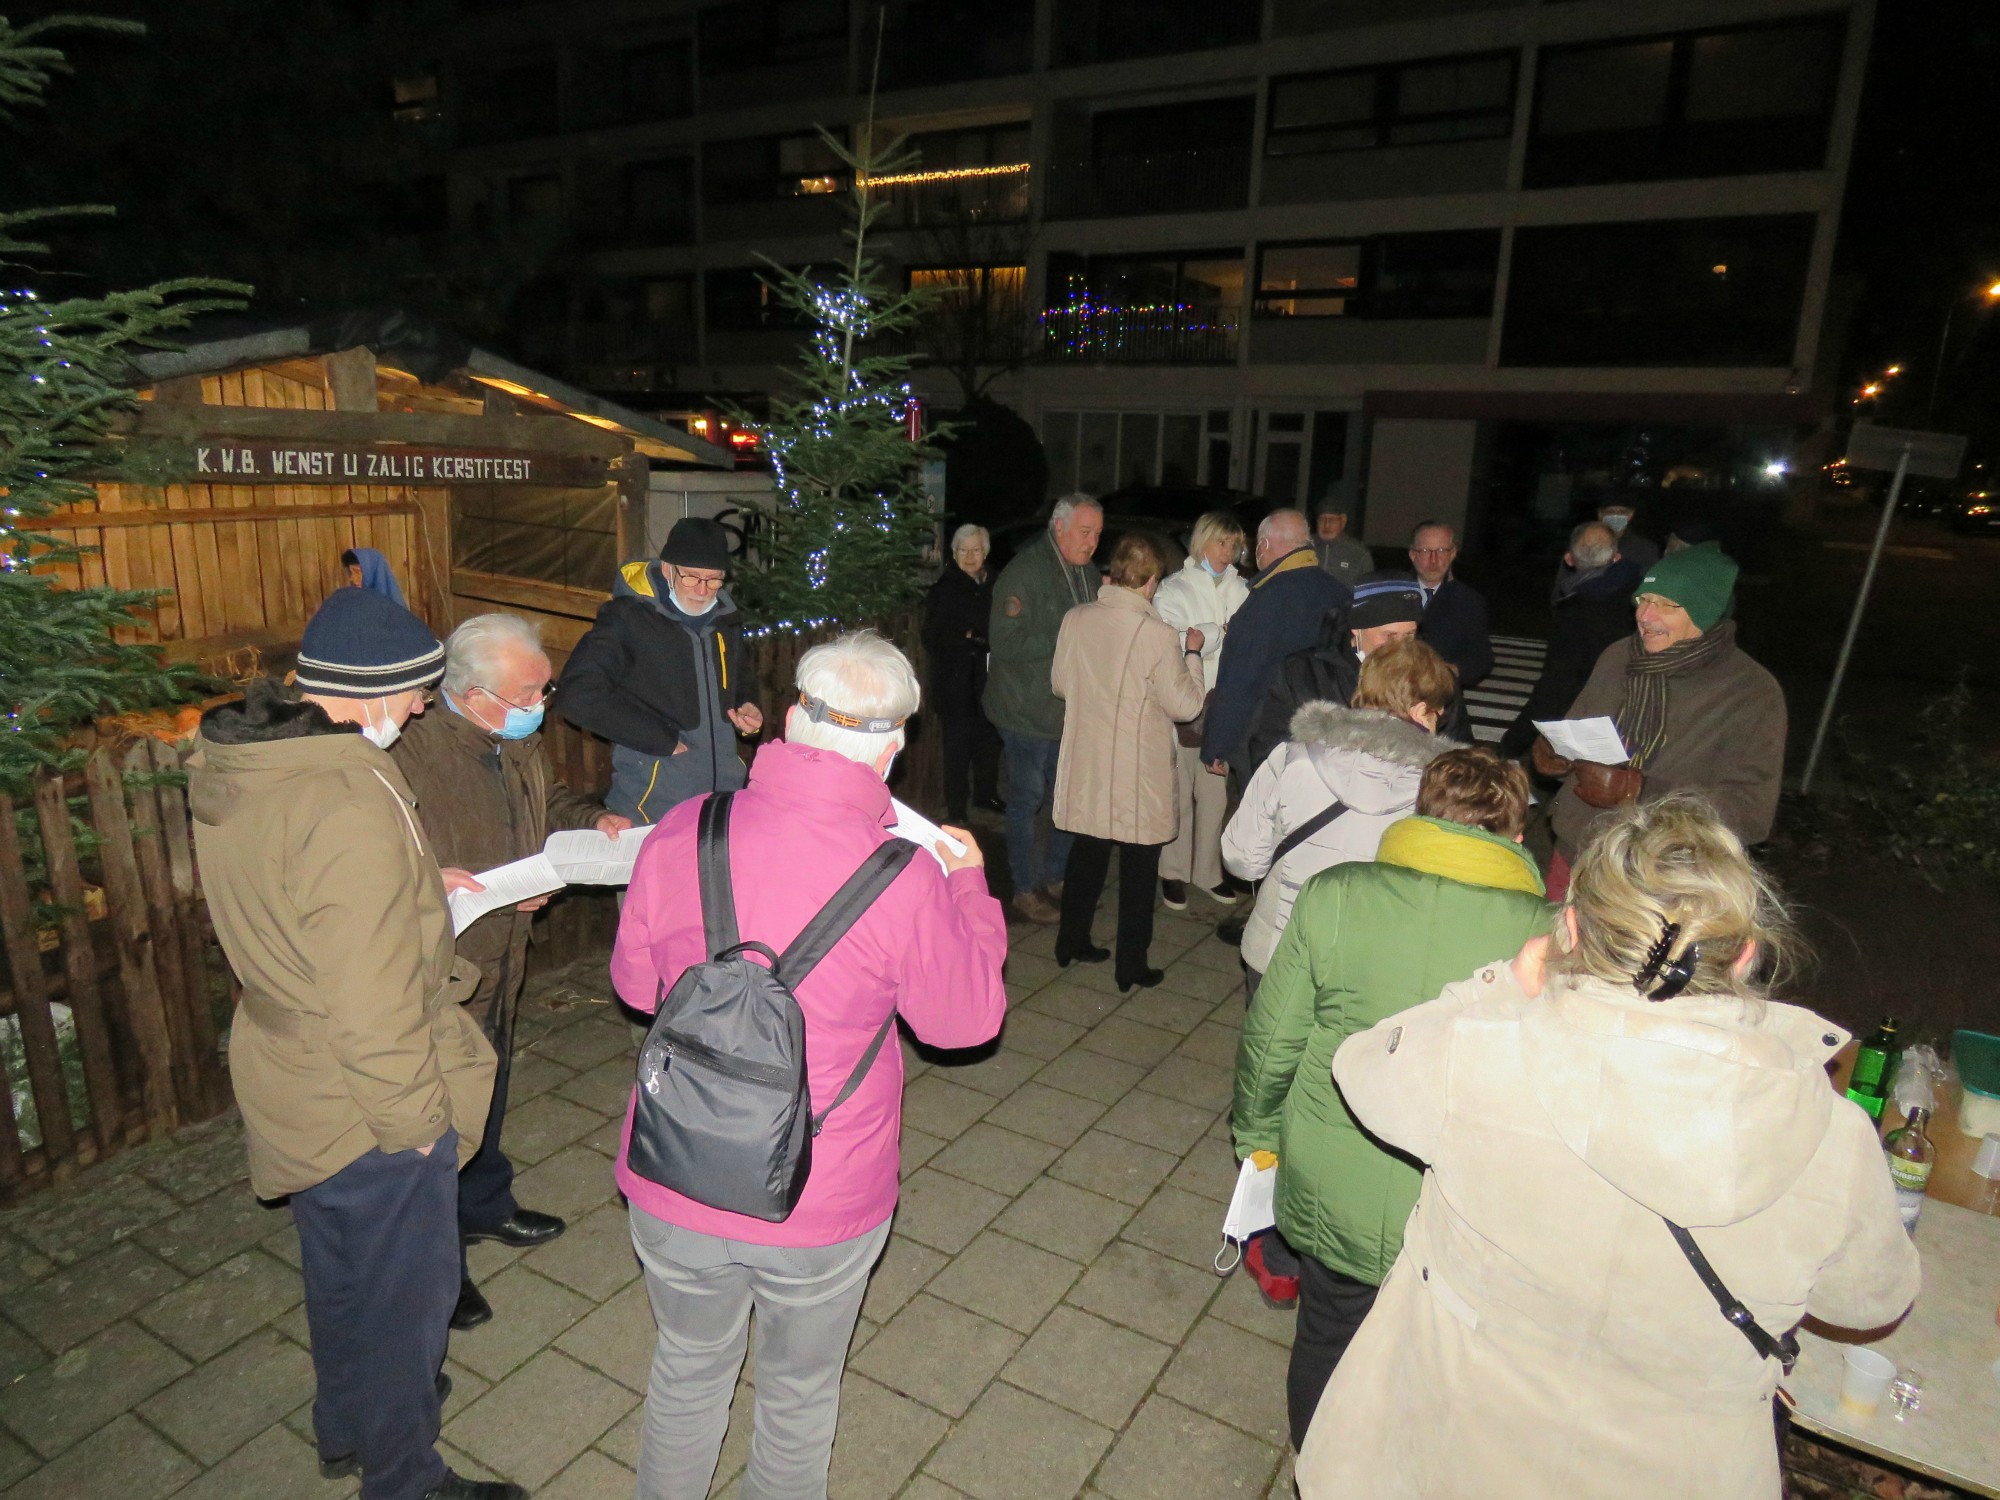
(1921, 499)
(1978, 511)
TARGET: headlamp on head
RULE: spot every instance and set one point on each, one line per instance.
(818, 710)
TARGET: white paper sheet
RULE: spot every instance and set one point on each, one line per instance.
(1253, 1206)
(921, 831)
(1585, 739)
(506, 885)
(583, 856)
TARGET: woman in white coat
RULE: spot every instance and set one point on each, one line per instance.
(1202, 595)
(1543, 1332)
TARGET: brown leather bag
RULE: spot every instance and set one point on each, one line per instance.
(1600, 785)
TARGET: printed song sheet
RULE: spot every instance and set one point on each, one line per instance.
(1585, 739)
(921, 831)
(578, 856)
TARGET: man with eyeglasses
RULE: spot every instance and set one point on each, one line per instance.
(665, 676)
(486, 796)
(1454, 622)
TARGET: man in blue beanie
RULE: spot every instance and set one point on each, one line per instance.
(362, 1084)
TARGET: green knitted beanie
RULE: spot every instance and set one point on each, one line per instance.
(1698, 579)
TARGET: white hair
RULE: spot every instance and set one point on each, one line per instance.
(1592, 544)
(1069, 505)
(473, 654)
(859, 674)
(968, 532)
(1287, 525)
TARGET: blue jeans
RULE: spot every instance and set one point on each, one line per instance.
(1031, 776)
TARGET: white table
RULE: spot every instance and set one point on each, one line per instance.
(1951, 1337)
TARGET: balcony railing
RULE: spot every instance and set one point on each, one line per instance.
(962, 197)
(1090, 333)
(1161, 182)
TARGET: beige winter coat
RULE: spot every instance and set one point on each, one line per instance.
(1541, 1335)
(1125, 683)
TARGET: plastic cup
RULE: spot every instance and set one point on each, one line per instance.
(1866, 1376)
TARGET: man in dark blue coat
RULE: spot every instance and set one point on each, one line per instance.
(1454, 622)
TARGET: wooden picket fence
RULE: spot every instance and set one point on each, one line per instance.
(125, 951)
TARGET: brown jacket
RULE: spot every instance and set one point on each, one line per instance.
(1125, 683)
(326, 898)
(485, 801)
(1725, 740)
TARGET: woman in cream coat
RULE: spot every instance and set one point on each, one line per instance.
(1125, 679)
(1542, 1333)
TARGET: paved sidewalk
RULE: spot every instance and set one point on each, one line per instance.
(1044, 1323)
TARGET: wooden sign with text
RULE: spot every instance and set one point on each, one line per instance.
(268, 461)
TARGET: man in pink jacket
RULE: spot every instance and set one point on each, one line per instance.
(930, 949)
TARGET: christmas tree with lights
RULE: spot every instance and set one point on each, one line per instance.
(64, 373)
(851, 519)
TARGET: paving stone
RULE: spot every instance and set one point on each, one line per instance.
(1213, 953)
(939, 1107)
(74, 1223)
(1035, 1035)
(206, 1159)
(1014, 1446)
(1030, 970)
(618, 1339)
(881, 1439)
(1198, 982)
(1091, 1074)
(1065, 1219)
(18, 1355)
(87, 1387)
(1144, 1291)
(534, 1423)
(1100, 977)
(917, 1147)
(1228, 1374)
(533, 1075)
(608, 1140)
(945, 1212)
(1208, 1171)
(1241, 1305)
(488, 1259)
(998, 1075)
(938, 1354)
(594, 1256)
(1284, 1486)
(15, 1461)
(464, 1464)
(1164, 1011)
(216, 1408)
(1212, 1044)
(570, 1183)
(467, 1386)
(1078, 1004)
(1006, 1280)
(902, 1272)
(64, 1309)
(606, 1088)
(590, 1042)
(1201, 1084)
(541, 1127)
(1179, 1225)
(528, 1312)
(1113, 1166)
(1088, 1365)
(1130, 1042)
(1047, 1114)
(126, 1461)
(1172, 1453)
(20, 1264)
(591, 1477)
(283, 1242)
(205, 1316)
(923, 1487)
(1157, 1121)
(207, 1233)
(277, 1464)
(996, 1158)
(621, 1441)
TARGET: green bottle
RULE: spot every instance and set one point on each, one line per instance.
(1874, 1066)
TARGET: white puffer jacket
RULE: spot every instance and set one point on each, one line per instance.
(1196, 597)
(1368, 759)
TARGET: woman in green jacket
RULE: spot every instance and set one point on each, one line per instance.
(1449, 890)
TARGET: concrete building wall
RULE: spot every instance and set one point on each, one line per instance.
(1419, 469)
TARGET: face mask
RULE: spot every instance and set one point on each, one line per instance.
(1212, 570)
(688, 609)
(1617, 523)
(520, 722)
(382, 735)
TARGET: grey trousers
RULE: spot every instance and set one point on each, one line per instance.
(703, 1290)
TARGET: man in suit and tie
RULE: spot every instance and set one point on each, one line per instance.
(1454, 621)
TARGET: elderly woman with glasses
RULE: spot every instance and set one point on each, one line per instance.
(1621, 1131)
(955, 616)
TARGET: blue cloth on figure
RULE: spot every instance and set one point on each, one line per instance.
(376, 574)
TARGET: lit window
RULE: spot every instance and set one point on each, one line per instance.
(1307, 281)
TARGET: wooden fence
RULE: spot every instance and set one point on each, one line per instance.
(109, 1009)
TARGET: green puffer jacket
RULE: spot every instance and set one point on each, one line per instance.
(1366, 941)
(1030, 598)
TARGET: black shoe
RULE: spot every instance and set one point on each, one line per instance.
(1173, 894)
(524, 1229)
(1146, 980)
(1230, 930)
(458, 1487)
(472, 1309)
(1084, 955)
(347, 1465)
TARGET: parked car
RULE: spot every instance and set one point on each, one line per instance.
(1978, 511)
(1922, 499)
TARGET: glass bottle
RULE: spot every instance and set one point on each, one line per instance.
(1874, 1065)
(1911, 1157)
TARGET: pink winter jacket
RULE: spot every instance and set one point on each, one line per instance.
(930, 948)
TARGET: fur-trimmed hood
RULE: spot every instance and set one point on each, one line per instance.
(1369, 759)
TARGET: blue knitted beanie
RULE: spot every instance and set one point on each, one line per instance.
(360, 644)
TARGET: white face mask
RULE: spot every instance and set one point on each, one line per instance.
(688, 609)
(1616, 522)
(382, 735)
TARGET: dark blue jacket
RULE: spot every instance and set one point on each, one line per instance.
(1287, 603)
(1454, 626)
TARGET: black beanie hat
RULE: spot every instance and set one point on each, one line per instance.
(361, 644)
(697, 542)
(1385, 599)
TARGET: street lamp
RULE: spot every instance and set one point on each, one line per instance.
(1991, 293)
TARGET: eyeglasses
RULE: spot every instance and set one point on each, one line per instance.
(540, 696)
(703, 582)
(1432, 551)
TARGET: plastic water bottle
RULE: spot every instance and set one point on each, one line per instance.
(1911, 1156)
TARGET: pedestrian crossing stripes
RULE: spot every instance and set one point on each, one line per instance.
(1500, 697)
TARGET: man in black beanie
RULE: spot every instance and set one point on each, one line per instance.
(664, 675)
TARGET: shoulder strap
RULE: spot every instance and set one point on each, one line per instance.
(718, 898)
(829, 925)
(860, 1072)
(1784, 1350)
(1305, 831)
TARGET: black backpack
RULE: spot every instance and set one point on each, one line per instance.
(723, 1114)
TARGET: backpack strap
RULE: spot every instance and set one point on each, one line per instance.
(860, 1072)
(718, 898)
(1305, 831)
(843, 909)
(1784, 1350)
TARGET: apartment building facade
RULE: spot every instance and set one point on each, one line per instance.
(1317, 249)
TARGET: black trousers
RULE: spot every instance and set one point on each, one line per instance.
(1083, 884)
(971, 745)
(486, 1186)
(378, 1247)
(1331, 1307)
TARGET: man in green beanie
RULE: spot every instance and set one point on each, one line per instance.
(1695, 712)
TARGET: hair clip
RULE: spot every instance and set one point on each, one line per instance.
(1673, 974)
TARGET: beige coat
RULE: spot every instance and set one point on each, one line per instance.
(327, 901)
(1541, 1334)
(1125, 683)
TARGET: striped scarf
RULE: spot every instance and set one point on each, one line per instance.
(1642, 716)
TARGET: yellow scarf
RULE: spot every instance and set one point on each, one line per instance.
(1471, 856)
